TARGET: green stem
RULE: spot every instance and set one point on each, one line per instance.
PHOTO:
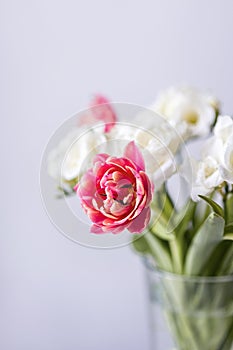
(159, 251)
(176, 253)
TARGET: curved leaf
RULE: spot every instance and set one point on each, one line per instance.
(149, 244)
(140, 244)
(183, 218)
(159, 228)
(228, 228)
(215, 206)
(226, 267)
(207, 238)
(159, 252)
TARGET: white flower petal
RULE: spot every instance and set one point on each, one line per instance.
(226, 174)
(224, 127)
(189, 106)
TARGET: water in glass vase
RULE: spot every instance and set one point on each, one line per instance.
(190, 313)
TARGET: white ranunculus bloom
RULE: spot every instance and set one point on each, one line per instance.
(67, 161)
(158, 141)
(213, 147)
(202, 176)
(187, 106)
(56, 156)
(208, 174)
(223, 136)
(216, 164)
(226, 167)
(223, 128)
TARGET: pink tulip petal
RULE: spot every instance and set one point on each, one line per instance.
(96, 229)
(103, 111)
(121, 163)
(119, 229)
(101, 157)
(100, 111)
(133, 153)
(147, 186)
(116, 193)
(140, 222)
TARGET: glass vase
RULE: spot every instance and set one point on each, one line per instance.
(190, 313)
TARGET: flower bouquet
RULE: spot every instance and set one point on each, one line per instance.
(125, 177)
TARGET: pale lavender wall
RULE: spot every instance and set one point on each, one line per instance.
(54, 294)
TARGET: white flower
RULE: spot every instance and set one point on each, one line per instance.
(187, 106)
(67, 161)
(223, 128)
(158, 141)
(226, 168)
(212, 147)
(216, 164)
(202, 176)
(223, 134)
(56, 156)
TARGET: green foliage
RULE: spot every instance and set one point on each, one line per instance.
(196, 240)
(208, 236)
(226, 261)
(140, 244)
(229, 208)
(215, 206)
(159, 228)
(228, 228)
(149, 244)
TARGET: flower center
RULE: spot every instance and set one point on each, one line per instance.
(209, 170)
(118, 196)
(191, 117)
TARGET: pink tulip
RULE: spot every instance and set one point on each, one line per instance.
(100, 111)
(116, 192)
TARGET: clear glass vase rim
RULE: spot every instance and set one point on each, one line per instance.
(173, 276)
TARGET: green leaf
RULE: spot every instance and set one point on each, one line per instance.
(228, 340)
(163, 202)
(226, 266)
(149, 244)
(159, 228)
(228, 232)
(140, 244)
(177, 255)
(208, 236)
(215, 206)
(159, 251)
(183, 218)
(202, 211)
(228, 228)
(216, 259)
(168, 204)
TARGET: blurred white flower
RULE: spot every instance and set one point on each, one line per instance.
(223, 128)
(158, 141)
(56, 156)
(216, 164)
(187, 106)
(202, 176)
(207, 176)
(223, 134)
(67, 161)
(226, 168)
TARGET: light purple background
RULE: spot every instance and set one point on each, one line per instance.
(55, 294)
